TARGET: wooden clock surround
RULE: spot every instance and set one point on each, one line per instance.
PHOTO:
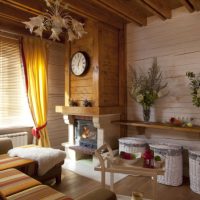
(105, 81)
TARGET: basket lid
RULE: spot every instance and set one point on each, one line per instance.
(165, 146)
(132, 140)
(196, 152)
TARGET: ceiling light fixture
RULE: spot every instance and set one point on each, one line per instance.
(56, 20)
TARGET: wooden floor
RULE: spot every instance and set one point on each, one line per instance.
(74, 185)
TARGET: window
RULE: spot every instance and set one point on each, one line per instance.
(14, 109)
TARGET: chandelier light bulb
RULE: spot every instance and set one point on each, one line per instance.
(56, 20)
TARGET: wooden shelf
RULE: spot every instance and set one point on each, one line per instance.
(194, 129)
(87, 111)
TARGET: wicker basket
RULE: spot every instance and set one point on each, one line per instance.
(173, 163)
(132, 145)
(194, 170)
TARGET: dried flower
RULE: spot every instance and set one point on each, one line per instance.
(160, 94)
(87, 103)
(72, 102)
(198, 93)
(139, 98)
(195, 87)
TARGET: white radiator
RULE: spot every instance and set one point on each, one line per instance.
(18, 139)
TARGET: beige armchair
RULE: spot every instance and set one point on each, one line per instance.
(5, 145)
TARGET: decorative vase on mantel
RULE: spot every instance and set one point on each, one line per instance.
(146, 113)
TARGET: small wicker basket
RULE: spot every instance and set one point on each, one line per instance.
(132, 145)
(194, 170)
(173, 163)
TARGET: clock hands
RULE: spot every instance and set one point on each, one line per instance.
(79, 61)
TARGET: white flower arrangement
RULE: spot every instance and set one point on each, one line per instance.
(198, 93)
(146, 88)
(195, 87)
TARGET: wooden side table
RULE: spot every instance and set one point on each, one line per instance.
(109, 163)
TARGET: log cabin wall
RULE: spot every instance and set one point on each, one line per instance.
(57, 130)
(81, 87)
(176, 44)
(102, 84)
(109, 66)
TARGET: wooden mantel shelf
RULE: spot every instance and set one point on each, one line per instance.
(87, 111)
(157, 125)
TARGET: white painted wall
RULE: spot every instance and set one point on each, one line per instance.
(56, 85)
(176, 44)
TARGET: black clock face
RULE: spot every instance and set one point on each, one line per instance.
(79, 63)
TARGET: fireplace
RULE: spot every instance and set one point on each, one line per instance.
(85, 134)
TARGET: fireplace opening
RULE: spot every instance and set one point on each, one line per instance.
(85, 134)
(85, 137)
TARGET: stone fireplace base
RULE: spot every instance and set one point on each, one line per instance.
(106, 133)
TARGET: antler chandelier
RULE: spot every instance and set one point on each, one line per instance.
(56, 20)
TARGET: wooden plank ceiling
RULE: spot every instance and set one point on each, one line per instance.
(113, 12)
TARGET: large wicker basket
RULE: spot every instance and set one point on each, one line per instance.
(173, 163)
(132, 145)
(194, 170)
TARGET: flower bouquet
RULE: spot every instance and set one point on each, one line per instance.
(146, 88)
(195, 87)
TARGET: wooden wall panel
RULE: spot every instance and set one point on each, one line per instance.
(56, 85)
(109, 66)
(81, 87)
(101, 84)
(176, 44)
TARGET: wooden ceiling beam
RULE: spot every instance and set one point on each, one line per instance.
(22, 7)
(187, 5)
(9, 17)
(89, 9)
(150, 9)
(16, 25)
(11, 27)
(195, 4)
(77, 7)
(123, 9)
(160, 7)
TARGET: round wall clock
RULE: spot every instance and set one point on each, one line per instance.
(79, 63)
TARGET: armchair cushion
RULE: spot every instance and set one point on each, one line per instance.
(46, 158)
(13, 181)
(41, 192)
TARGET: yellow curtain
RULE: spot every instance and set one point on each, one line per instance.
(35, 61)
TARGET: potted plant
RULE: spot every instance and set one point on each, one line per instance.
(146, 88)
(158, 162)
